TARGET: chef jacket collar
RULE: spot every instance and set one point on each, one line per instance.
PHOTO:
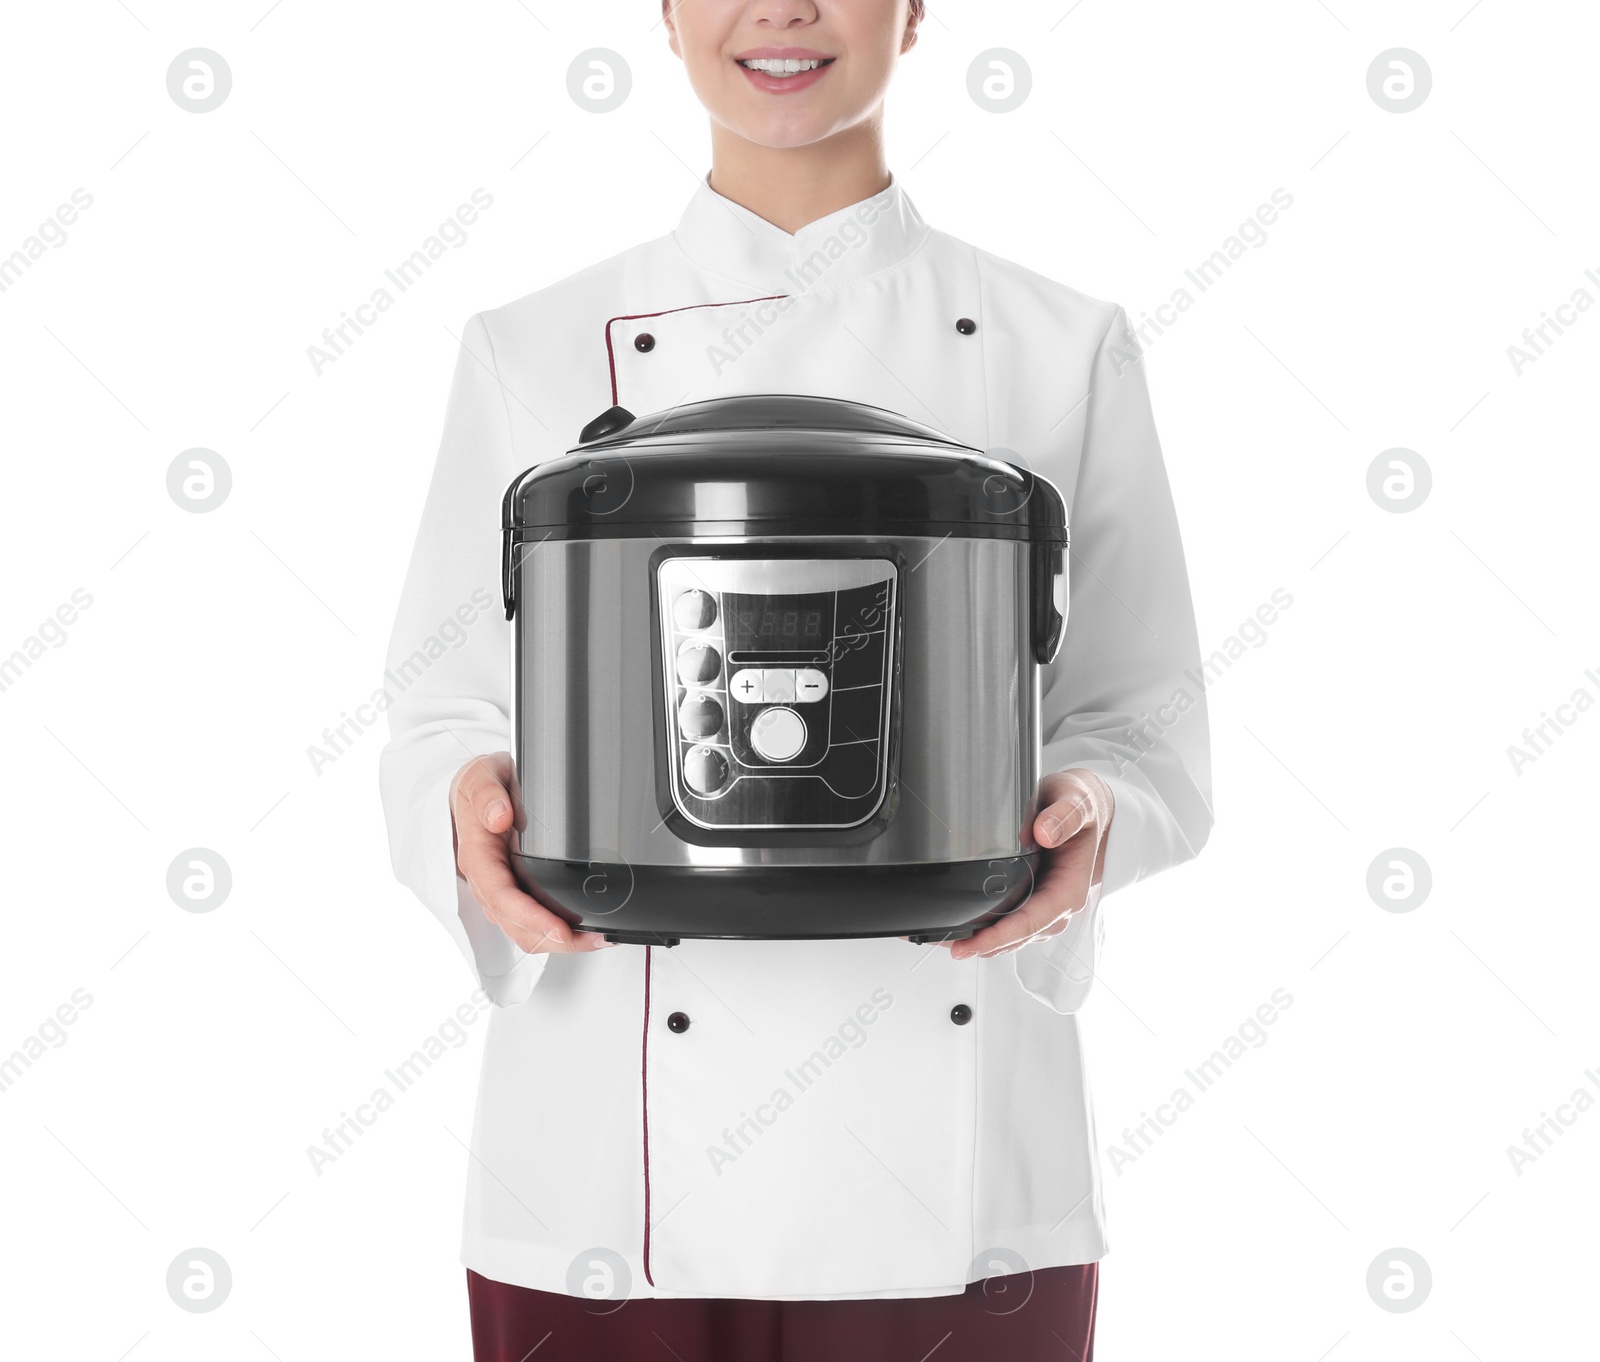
(720, 235)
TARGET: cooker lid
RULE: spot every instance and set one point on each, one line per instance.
(618, 425)
(778, 464)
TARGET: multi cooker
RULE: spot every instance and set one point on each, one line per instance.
(777, 673)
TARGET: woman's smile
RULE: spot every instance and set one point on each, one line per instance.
(783, 70)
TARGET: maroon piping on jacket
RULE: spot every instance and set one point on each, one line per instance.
(611, 354)
(644, 1094)
(644, 1055)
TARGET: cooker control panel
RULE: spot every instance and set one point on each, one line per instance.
(778, 675)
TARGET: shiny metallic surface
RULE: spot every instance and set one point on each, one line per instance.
(584, 735)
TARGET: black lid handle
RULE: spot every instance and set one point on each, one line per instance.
(609, 422)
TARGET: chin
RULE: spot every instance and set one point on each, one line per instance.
(781, 139)
(783, 132)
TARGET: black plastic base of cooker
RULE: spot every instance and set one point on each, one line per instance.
(660, 905)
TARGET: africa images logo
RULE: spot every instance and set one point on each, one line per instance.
(850, 1035)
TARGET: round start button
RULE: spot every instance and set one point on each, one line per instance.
(778, 734)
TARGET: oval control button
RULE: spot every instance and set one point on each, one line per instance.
(705, 770)
(746, 686)
(809, 685)
(777, 683)
(699, 717)
(698, 663)
(695, 610)
(778, 734)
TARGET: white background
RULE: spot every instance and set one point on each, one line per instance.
(1377, 712)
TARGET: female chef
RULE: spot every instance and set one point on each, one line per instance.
(660, 1167)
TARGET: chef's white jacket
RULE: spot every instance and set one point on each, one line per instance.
(823, 1128)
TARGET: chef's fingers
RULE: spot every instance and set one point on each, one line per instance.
(1061, 821)
(530, 925)
(1054, 929)
(1061, 890)
(1065, 819)
(484, 864)
(1070, 828)
(1074, 800)
(482, 815)
(482, 787)
(1014, 930)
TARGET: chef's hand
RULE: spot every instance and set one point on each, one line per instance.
(480, 810)
(1071, 830)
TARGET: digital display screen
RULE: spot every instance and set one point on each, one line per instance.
(779, 622)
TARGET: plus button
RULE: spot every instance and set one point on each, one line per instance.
(746, 686)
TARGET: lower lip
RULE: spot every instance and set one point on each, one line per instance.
(783, 85)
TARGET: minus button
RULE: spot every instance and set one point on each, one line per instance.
(809, 684)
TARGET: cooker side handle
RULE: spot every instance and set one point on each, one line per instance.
(508, 534)
(1048, 599)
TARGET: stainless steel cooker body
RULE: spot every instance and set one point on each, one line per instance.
(815, 734)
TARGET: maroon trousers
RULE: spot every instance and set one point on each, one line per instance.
(1043, 1316)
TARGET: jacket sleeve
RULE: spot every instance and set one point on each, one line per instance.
(1125, 698)
(447, 677)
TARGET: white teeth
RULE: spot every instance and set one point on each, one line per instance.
(781, 66)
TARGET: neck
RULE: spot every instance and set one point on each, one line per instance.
(791, 186)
